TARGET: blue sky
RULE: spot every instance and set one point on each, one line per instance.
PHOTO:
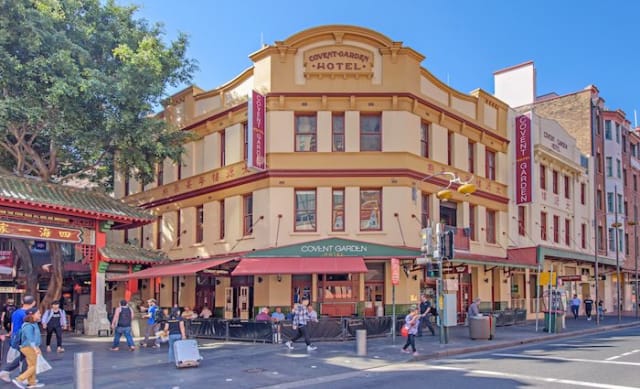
(573, 43)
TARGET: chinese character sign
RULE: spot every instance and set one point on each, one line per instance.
(25, 230)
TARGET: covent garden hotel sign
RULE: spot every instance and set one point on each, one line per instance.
(335, 247)
(338, 60)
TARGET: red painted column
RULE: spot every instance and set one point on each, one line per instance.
(101, 241)
(132, 286)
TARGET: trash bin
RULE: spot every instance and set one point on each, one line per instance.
(482, 327)
(553, 321)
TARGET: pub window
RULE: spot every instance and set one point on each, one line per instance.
(305, 210)
(424, 139)
(370, 209)
(338, 287)
(247, 214)
(337, 210)
(521, 220)
(337, 132)
(543, 225)
(306, 132)
(554, 181)
(490, 170)
(491, 226)
(371, 132)
(199, 223)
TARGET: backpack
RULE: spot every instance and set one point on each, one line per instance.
(124, 320)
(158, 316)
(8, 311)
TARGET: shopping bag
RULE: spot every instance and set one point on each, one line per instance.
(42, 365)
(12, 354)
(404, 331)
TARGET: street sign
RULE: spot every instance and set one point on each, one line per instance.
(547, 278)
(395, 271)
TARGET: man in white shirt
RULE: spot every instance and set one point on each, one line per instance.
(206, 312)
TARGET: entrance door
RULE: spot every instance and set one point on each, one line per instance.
(300, 288)
(463, 296)
(374, 289)
(243, 302)
(228, 303)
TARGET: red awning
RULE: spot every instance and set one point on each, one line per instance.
(319, 265)
(176, 269)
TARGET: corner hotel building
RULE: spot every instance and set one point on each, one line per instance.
(354, 128)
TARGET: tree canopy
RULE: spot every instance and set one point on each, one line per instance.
(79, 80)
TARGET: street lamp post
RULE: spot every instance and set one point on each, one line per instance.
(617, 243)
(429, 257)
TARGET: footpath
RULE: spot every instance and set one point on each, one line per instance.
(253, 365)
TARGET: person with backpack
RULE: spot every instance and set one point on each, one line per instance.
(121, 325)
(54, 320)
(17, 319)
(30, 339)
(154, 317)
(7, 311)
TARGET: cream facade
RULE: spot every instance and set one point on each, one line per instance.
(355, 126)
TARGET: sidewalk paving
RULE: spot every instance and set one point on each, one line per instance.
(251, 365)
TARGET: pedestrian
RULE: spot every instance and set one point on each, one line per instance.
(7, 311)
(313, 315)
(30, 348)
(588, 307)
(152, 325)
(300, 321)
(474, 308)
(575, 306)
(601, 309)
(121, 325)
(263, 315)
(54, 320)
(174, 326)
(425, 315)
(412, 322)
(17, 319)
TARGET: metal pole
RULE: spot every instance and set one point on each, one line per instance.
(615, 201)
(635, 251)
(439, 288)
(83, 363)
(538, 296)
(596, 236)
(393, 314)
(361, 342)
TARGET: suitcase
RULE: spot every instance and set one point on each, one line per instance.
(186, 353)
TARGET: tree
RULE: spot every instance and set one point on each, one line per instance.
(78, 83)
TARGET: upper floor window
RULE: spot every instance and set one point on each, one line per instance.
(634, 150)
(619, 168)
(221, 221)
(624, 143)
(556, 228)
(543, 177)
(521, 221)
(424, 210)
(179, 228)
(472, 157)
(609, 166)
(305, 210)
(306, 132)
(424, 139)
(247, 214)
(127, 185)
(491, 226)
(337, 132)
(371, 132)
(612, 240)
(337, 210)
(159, 233)
(490, 170)
(543, 225)
(583, 235)
(554, 181)
(223, 148)
(583, 193)
(635, 182)
(450, 148)
(599, 199)
(472, 222)
(370, 209)
(610, 202)
(599, 162)
(618, 133)
(245, 136)
(624, 178)
(567, 232)
(607, 130)
(160, 173)
(567, 187)
(199, 223)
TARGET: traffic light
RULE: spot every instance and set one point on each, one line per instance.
(426, 236)
(433, 270)
(447, 245)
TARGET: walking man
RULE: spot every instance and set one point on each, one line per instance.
(121, 325)
(152, 326)
(575, 306)
(54, 320)
(425, 315)
(588, 307)
(300, 321)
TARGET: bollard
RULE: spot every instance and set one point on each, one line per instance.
(361, 342)
(83, 364)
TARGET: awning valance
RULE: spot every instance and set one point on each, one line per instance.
(175, 269)
(313, 265)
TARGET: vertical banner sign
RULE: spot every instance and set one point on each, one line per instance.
(256, 131)
(523, 160)
(395, 271)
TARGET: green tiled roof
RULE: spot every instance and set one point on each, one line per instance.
(124, 253)
(91, 203)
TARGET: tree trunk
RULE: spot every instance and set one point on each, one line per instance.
(31, 274)
(54, 291)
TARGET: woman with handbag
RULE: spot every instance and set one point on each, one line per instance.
(411, 323)
(30, 348)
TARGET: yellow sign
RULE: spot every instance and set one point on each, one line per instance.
(547, 277)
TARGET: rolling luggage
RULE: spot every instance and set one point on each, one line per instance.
(186, 353)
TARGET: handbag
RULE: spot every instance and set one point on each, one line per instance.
(404, 331)
(42, 365)
(12, 354)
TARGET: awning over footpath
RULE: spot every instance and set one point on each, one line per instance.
(175, 269)
(306, 265)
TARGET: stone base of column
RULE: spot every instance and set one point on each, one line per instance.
(96, 320)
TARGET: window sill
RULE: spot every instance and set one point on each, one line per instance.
(338, 233)
(379, 232)
(305, 233)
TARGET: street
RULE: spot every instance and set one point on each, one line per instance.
(596, 361)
